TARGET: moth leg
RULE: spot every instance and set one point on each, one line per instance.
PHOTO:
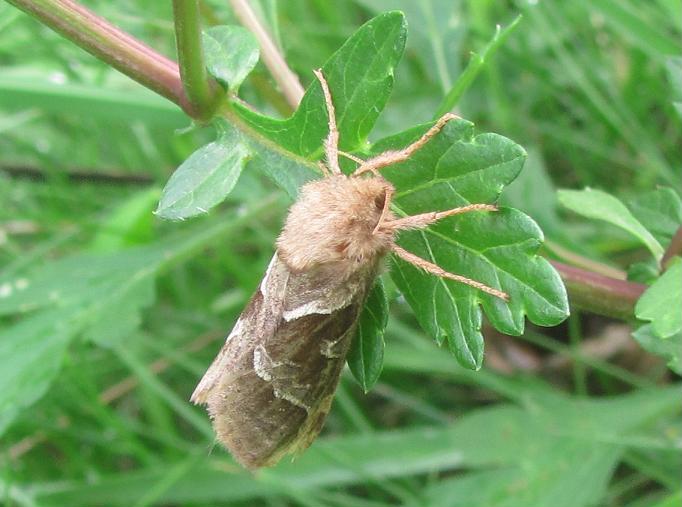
(324, 169)
(424, 219)
(393, 157)
(352, 157)
(438, 271)
(331, 144)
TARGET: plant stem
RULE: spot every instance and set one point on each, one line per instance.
(201, 91)
(674, 248)
(475, 65)
(598, 293)
(111, 45)
(283, 75)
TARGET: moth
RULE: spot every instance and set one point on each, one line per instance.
(271, 386)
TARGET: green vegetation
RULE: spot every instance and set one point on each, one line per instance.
(133, 229)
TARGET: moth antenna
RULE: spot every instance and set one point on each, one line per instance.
(349, 156)
(424, 219)
(393, 157)
(331, 144)
(438, 271)
(388, 197)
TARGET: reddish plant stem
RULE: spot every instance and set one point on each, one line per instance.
(111, 45)
(600, 294)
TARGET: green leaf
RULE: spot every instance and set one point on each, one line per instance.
(600, 205)
(231, 52)
(204, 179)
(669, 348)
(534, 193)
(360, 77)
(31, 354)
(661, 304)
(453, 169)
(660, 211)
(366, 356)
(286, 170)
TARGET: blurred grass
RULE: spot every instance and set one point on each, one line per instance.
(580, 84)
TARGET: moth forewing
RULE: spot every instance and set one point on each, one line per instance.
(270, 388)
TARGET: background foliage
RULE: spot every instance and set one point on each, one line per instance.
(110, 315)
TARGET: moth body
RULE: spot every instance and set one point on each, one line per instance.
(333, 224)
(270, 388)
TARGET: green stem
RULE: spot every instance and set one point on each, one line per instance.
(600, 294)
(111, 45)
(579, 372)
(202, 92)
(475, 65)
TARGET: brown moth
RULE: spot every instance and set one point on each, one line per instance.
(270, 388)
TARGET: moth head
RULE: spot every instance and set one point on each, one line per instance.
(334, 221)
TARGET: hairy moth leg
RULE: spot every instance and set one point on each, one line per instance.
(393, 157)
(352, 157)
(331, 144)
(434, 269)
(424, 219)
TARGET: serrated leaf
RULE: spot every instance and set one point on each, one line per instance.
(205, 178)
(360, 77)
(661, 304)
(366, 356)
(660, 211)
(231, 52)
(603, 206)
(669, 348)
(453, 169)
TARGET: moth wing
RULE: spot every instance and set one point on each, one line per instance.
(270, 388)
(257, 322)
(304, 361)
